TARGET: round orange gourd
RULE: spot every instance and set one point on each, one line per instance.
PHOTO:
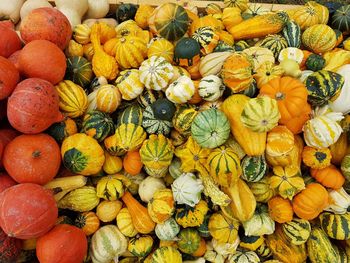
(132, 162)
(280, 141)
(291, 96)
(9, 77)
(329, 177)
(201, 250)
(162, 206)
(6, 182)
(280, 210)
(295, 124)
(88, 222)
(311, 201)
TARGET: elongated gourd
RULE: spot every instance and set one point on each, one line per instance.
(253, 143)
(259, 26)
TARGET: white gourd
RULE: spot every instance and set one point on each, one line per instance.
(168, 230)
(149, 186)
(211, 88)
(10, 9)
(29, 5)
(181, 90)
(342, 102)
(211, 64)
(187, 189)
(225, 249)
(260, 224)
(97, 8)
(211, 255)
(339, 201)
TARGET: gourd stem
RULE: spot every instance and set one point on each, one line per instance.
(116, 259)
(36, 154)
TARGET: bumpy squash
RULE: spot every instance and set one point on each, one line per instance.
(319, 38)
(188, 216)
(167, 230)
(141, 246)
(166, 255)
(254, 168)
(253, 143)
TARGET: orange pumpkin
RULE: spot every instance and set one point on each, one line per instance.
(280, 209)
(194, 70)
(132, 162)
(311, 201)
(280, 141)
(9, 77)
(201, 249)
(207, 20)
(195, 98)
(295, 124)
(329, 177)
(291, 96)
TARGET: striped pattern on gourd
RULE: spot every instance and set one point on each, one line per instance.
(130, 136)
(244, 256)
(129, 84)
(211, 64)
(336, 226)
(181, 90)
(319, 38)
(297, 231)
(275, 43)
(207, 38)
(254, 168)
(131, 114)
(98, 125)
(292, 34)
(183, 118)
(168, 230)
(156, 73)
(148, 96)
(166, 255)
(108, 98)
(131, 51)
(211, 88)
(341, 18)
(154, 125)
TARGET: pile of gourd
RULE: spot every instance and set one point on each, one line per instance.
(212, 137)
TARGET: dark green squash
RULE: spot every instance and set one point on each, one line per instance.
(152, 125)
(98, 125)
(148, 97)
(292, 33)
(79, 70)
(251, 91)
(203, 228)
(275, 43)
(223, 46)
(186, 50)
(96, 83)
(333, 6)
(241, 45)
(249, 242)
(206, 38)
(189, 240)
(341, 19)
(61, 130)
(254, 168)
(336, 226)
(163, 109)
(131, 114)
(125, 12)
(315, 62)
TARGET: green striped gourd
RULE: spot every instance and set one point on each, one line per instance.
(322, 86)
(260, 114)
(211, 88)
(140, 246)
(98, 125)
(124, 223)
(166, 255)
(319, 38)
(79, 70)
(250, 242)
(131, 114)
(189, 240)
(264, 251)
(223, 47)
(336, 226)
(262, 190)
(148, 97)
(292, 33)
(254, 168)
(320, 248)
(168, 230)
(129, 136)
(211, 64)
(243, 256)
(210, 128)
(224, 166)
(106, 244)
(183, 118)
(341, 18)
(275, 43)
(241, 45)
(297, 231)
(82, 199)
(207, 38)
(203, 228)
(153, 125)
(61, 130)
(129, 84)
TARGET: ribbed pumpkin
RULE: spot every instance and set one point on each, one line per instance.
(189, 240)
(211, 88)
(207, 39)
(319, 38)
(237, 72)
(140, 246)
(316, 158)
(88, 222)
(161, 47)
(254, 168)
(259, 55)
(329, 177)
(82, 154)
(166, 254)
(181, 90)
(310, 202)
(275, 43)
(97, 125)
(129, 136)
(336, 226)
(108, 98)
(73, 99)
(110, 188)
(161, 206)
(148, 96)
(129, 84)
(156, 73)
(260, 114)
(125, 224)
(130, 51)
(341, 18)
(287, 181)
(79, 70)
(224, 166)
(210, 128)
(266, 72)
(297, 231)
(223, 229)
(131, 114)
(280, 210)
(156, 154)
(262, 190)
(155, 125)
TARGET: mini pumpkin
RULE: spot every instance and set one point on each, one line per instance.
(161, 206)
(223, 229)
(329, 177)
(207, 39)
(280, 209)
(181, 90)
(129, 84)
(187, 52)
(316, 158)
(128, 45)
(266, 72)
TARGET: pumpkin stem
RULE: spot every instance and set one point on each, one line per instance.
(279, 96)
(36, 154)
(116, 259)
(320, 156)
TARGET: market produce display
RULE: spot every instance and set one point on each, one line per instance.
(170, 133)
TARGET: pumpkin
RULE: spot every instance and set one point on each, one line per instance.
(181, 90)
(260, 224)
(129, 136)
(287, 181)
(187, 189)
(108, 98)
(88, 222)
(183, 118)
(188, 216)
(291, 96)
(110, 188)
(27, 211)
(155, 73)
(97, 125)
(107, 243)
(292, 34)
(254, 168)
(224, 166)
(32, 158)
(46, 23)
(297, 231)
(320, 248)
(31, 61)
(168, 230)
(280, 210)
(319, 38)
(79, 70)
(329, 177)
(275, 43)
(335, 226)
(328, 130)
(9, 77)
(211, 88)
(204, 21)
(252, 143)
(316, 158)
(340, 18)
(161, 48)
(189, 240)
(6, 182)
(262, 190)
(141, 246)
(211, 64)
(81, 33)
(260, 114)
(132, 162)
(10, 248)
(161, 206)
(223, 229)
(207, 39)
(310, 202)
(10, 42)
(129, 84)
(166, 254)
(204, 129)
(231, 16)
(69, 238)
(139, 214)
(125, 224)
(130, 45)
(237, 72)
(33, 106)
(154, 125)
(266, 72)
